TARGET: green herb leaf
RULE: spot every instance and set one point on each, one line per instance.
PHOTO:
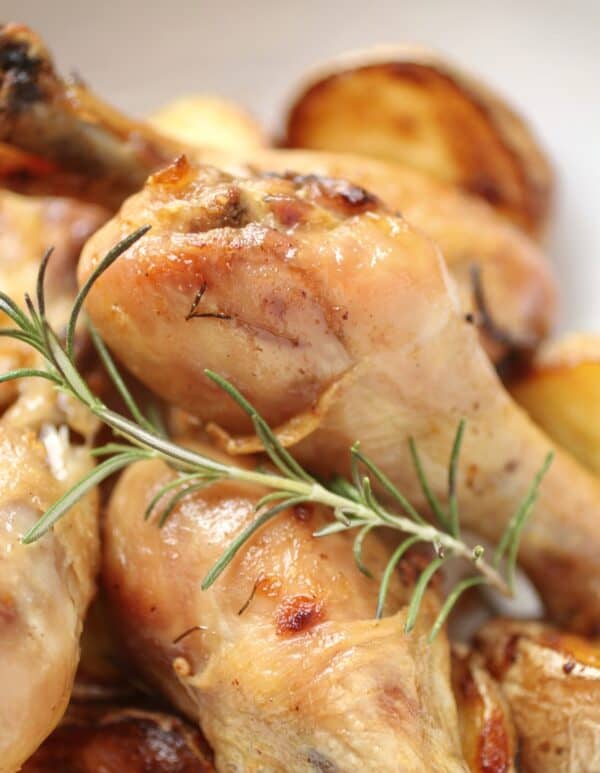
(86, 484)
(104, 264)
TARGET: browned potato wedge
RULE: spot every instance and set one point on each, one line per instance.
(552, 683)
(408, 104)
(562, 394)
(209, 121)
(100, 737)
(486, 728)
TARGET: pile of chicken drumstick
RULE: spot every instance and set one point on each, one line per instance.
(377, 276)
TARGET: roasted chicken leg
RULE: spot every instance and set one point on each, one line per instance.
(281, 660)
(97, 154)
(44, 588)
(28, 228)
(333, 315)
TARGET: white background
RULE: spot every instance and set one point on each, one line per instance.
(544, 54)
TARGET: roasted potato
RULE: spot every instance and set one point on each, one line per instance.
(112, 739)
(561, 393)
(552, 683)
(209, 121)
(408, 104)
(486, 728)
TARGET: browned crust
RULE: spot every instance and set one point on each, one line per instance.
(487, 732)
(296, 614)
(96, 738)
(551, 680)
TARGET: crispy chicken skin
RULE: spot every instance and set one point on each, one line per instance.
(337, 317)
(28, 85)
(281, 660)
(97, 154)
(44, 588)
(551, 680)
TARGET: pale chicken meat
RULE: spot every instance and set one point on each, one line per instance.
(340, 322)
(91, 151)
(281, 660)
(45, 588)
(516, 306)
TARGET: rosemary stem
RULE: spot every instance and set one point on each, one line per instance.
(353, 505)
(313, 491)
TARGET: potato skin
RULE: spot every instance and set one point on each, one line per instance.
(561, 394)
(410, 105)
(551, 680)
(100, 737)
(487, 731)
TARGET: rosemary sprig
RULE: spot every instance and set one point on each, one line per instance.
(354, 505)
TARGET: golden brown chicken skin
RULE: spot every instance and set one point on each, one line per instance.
(95, 153)
(335, 316)
(280, 660)
(551, 680)
(28, 84)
